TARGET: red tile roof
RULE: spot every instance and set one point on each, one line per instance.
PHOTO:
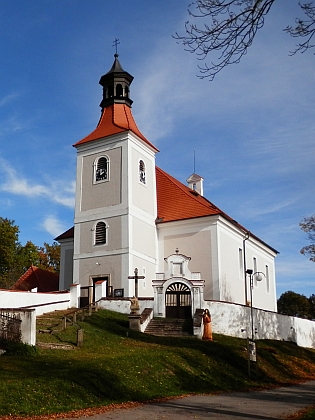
(115, 119)
(175, 201)
(44, 280)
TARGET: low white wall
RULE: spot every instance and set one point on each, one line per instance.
(235, 320)
(28, 323)
(41, 302)
(123, 305)
(28, 326)
(31, 304)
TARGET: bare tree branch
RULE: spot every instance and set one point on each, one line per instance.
(234, 24)
(229, 27)
(304, 29)
(308, 226)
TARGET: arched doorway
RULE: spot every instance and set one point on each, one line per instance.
(178, 301)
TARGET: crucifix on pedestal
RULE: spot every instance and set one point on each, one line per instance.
(136, 278)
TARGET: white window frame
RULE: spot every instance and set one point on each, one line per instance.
(106, 233)
(255, 270)
(95, 165)
(267, 278)
(144, 181)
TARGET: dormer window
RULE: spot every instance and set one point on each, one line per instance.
(100, 233)
(142, 177)
(101, 169)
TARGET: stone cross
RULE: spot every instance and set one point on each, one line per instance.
(136, 278)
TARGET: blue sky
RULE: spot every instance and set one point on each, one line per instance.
(252, 128)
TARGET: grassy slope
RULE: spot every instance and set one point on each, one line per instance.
(112, 367)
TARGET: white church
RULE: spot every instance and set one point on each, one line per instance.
(131, 214)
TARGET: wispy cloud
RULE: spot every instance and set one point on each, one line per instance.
(16, 184)
(53, 226)
(166, 78)
(263, 207)
(14, 124)
(8, 98)
(6, 202)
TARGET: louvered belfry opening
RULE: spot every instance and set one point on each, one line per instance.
(100, 233)
(178, 301)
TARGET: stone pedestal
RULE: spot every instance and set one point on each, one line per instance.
(134, 322)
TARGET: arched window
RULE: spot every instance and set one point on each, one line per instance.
(101, 169)
(110, 91)
(142, 177)
(100, 233)
(119, 90)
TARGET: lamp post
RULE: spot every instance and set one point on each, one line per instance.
(258, 275)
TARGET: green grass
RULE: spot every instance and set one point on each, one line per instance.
(306, 414)
(309, 415)
(116, 365)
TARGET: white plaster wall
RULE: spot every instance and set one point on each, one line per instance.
(232, 288)
(147, 268)
(235, 320)
(41, 302)
(28, 326)
(263, 297)
(142, 215)
(142, 197)
(28, 323)
(195, 238)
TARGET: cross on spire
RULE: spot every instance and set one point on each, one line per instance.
(115, 43)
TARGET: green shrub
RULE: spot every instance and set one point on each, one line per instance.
(13, 348)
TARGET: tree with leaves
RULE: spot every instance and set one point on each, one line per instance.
(9, 236)
(312, 302)
(49, 257)
(15, 258)
(308, 226)
(294, 304)
(228, 27)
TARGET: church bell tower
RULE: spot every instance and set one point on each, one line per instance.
(116, 208)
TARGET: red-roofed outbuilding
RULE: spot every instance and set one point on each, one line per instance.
(37, 278)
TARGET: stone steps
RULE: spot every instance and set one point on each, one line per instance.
(164, 327)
